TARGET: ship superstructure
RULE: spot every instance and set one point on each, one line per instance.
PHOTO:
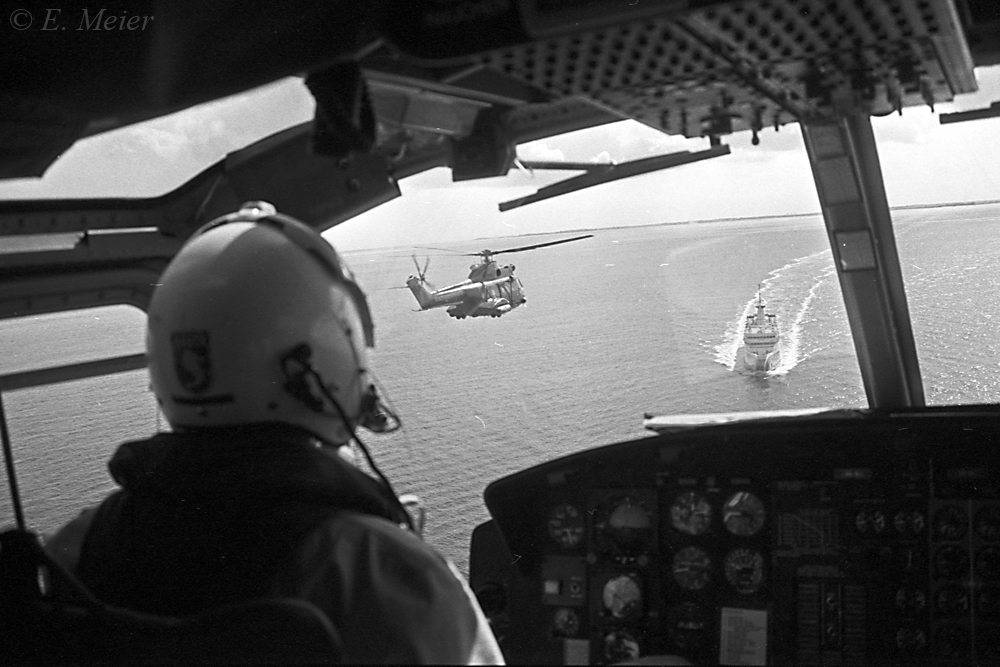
(761, 339)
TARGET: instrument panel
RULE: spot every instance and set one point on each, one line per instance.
(841, 538)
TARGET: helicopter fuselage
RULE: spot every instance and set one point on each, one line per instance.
(490, 290)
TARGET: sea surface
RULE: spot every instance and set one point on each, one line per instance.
(631, 321)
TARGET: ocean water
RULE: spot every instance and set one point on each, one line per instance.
(633, 320)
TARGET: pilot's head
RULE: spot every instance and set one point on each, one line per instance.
(258, 320)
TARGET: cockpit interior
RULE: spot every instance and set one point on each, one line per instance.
(823, 536)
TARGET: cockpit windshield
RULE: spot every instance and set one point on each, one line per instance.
(655, 314)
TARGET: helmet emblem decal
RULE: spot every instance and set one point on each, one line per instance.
(192, 361)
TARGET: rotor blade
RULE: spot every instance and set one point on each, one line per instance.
(541, 245)
(454, 252)
(416, 264)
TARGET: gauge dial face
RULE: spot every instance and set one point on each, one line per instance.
(951, 562)
(566, 525)
(910, 639)
(565, 622)
(688, 625)
(744, 570)
(950, 523)
(743, 514)
(951, 600)
(988, 563)
(692, 568)
(987, 523)
(622, 596)
(628, 525)
(909, 523)
(620, 646)
(910, 601)
(988, 602)
(870, 522)
(691, 513)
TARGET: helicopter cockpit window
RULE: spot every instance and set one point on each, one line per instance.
(949, 248)
(63, 433)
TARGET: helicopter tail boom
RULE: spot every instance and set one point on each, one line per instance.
(424, 296)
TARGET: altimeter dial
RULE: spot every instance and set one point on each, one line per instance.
(743, 514)
(692, 568)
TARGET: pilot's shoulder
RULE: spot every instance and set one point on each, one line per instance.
(380, 537)
(66, 543)
(365, 548)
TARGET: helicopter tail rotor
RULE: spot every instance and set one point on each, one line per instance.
(422, 273)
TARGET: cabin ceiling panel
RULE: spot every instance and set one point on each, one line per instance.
(749, 65)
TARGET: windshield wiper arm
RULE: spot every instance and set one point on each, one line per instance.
(598, 174)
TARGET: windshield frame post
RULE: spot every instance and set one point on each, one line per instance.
(844, 158)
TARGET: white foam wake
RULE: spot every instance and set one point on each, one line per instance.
(781, 290)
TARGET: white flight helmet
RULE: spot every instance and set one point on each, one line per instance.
(256, 320)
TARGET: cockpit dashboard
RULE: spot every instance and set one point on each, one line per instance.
(841, 538)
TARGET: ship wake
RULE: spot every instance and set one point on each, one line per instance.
(790, 292)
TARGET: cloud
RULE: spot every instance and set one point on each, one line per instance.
(541, 151)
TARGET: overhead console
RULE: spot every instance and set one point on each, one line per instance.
(841, 538)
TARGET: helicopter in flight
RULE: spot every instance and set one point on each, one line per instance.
(490, 290)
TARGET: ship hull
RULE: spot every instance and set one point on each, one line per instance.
(761, 360)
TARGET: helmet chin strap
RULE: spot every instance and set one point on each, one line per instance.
(375, 415)
(303, 382)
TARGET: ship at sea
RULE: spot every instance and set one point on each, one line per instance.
(761, 340)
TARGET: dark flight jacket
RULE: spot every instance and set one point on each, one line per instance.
(213, 517)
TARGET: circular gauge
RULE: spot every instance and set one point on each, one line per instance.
(870, 522)
(620, 646)
(909, 523)
(951, 600)
(987, 523)
(950, 523)
(565, 623)
(628, 525)
(951, 562)
(988, 563)
(622, 596)
(692, 568)
(951, 641)
(689, 625)
(566, 525)
(743, 514)
(744, 570)
(910, 601)
(910, 639)
(987, 650)
(988, 602)
(691, 513)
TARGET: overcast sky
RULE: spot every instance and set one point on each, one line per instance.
(922, 162)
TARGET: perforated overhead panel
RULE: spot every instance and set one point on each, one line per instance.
(748, 65)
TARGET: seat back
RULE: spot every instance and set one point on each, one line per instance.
(71, 626)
